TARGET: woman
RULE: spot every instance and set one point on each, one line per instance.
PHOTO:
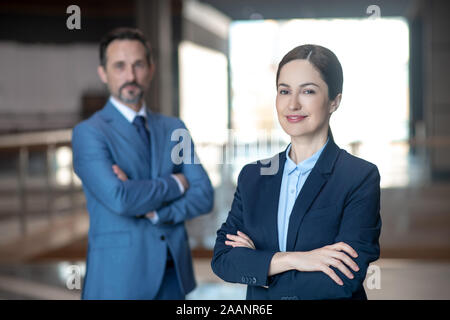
(310, 230)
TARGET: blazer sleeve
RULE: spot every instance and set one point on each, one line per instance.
(199, 197)
(360, 228)
(93, 162)
(239, 265)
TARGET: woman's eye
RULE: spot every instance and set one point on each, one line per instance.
(284, 92)
(308, 91)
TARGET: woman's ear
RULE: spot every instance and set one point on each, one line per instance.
(334, 104)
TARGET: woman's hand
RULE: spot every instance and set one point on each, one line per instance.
(317, 260)
(240, 240)
(321, 259)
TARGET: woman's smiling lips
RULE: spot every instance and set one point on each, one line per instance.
(295, 118)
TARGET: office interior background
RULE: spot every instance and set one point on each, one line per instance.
(216, 63)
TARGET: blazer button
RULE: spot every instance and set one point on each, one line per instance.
(163, 238)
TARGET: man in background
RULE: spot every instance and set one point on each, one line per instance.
(138, 197)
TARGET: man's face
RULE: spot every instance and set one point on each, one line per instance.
(127, 72)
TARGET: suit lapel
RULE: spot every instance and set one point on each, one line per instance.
(125, 129)
(312, 187)
(310, 190)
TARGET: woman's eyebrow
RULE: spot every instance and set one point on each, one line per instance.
(301, 85)
(308, 84)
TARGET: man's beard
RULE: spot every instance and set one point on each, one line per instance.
(135, 96)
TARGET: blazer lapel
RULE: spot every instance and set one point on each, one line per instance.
(125, 129)
(312, 187)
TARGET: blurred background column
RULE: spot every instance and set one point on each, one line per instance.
(436, 49)
(154, 18)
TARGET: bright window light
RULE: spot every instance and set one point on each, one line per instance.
(372, 121)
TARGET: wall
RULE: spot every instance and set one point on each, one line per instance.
(42, 84)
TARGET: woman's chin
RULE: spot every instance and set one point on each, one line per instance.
(294, 132)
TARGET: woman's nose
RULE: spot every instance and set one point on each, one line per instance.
(294, 104)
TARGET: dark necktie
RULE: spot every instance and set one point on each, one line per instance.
(139, 123)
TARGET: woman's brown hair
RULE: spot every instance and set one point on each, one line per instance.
(324, 60)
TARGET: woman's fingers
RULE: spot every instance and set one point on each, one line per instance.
(340, 260)
(243, 235)
(237, 244)
(341, 267)
(328, 271)
(346, 259)
(327, 259)
(339, 256)
(239, 241)
(342, 246)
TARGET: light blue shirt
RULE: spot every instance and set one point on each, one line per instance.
(294, 177)
(130, 114)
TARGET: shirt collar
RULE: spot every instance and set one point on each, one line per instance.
(127, 112)
(304, 166)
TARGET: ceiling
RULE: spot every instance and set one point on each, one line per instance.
(290, 9)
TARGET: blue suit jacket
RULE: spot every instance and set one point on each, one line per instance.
(340, 201)
(126, 255)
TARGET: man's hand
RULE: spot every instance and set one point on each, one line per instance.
(183, 180)
(119, 173)
(123, 177)
(150, 215)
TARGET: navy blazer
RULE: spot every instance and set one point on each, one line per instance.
(340, 201)
(127, 255)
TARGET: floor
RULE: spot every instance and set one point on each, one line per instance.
(414, 264)
(388, 279)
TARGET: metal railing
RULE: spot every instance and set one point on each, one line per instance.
(222, 173)
(18, 148)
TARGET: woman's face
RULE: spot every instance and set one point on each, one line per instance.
(302, 102)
